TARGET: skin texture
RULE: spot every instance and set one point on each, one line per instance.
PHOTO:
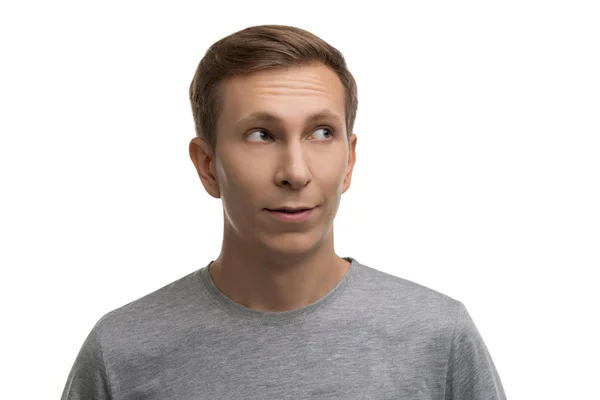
(266, 264)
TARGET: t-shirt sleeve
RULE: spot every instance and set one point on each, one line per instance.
(88, 377)
(471, 372)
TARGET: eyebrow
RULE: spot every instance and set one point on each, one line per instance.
(264, 116)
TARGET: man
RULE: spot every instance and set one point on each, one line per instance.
(278, 314)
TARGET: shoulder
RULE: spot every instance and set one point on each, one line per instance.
(152, 314)
(407, 301)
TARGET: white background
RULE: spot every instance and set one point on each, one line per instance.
(477, 174)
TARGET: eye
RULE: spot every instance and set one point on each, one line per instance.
(259, 134)
(328, 132)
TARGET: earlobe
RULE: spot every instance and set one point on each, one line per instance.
(202, 157)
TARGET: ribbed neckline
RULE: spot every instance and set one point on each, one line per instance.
(274, 318)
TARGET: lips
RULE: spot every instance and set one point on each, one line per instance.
(292, 210)
(292, 214)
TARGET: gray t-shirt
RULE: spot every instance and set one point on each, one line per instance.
(374, 336)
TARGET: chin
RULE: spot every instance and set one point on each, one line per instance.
(293, 244)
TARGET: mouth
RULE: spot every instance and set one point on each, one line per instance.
(291, 214)
(291, 210)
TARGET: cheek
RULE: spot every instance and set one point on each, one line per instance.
(331, 171)
(238, 182)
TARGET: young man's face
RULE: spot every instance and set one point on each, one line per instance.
(283, 159)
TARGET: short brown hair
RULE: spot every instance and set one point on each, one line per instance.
(258, 48)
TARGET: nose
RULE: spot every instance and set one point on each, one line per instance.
(293, 171)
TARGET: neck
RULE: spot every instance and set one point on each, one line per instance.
(273, 282)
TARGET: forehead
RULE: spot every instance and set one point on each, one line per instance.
(288, 93)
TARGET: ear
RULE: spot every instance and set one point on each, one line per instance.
(204, 160)
(351, 161)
